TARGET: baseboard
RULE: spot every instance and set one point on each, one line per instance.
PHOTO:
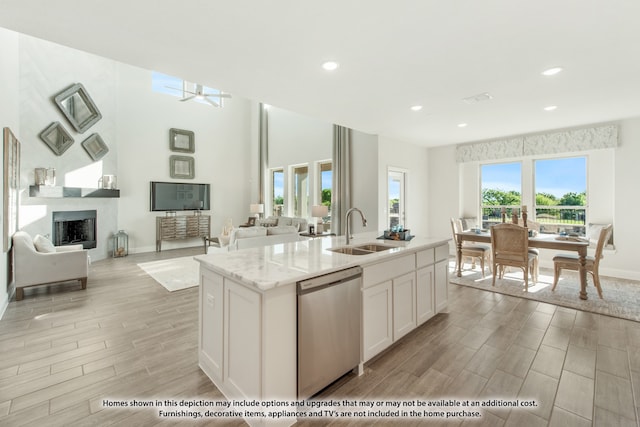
(4, 303)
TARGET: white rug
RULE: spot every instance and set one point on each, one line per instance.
(621, 298)
(175, 273)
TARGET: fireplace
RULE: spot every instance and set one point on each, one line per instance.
(75, 227)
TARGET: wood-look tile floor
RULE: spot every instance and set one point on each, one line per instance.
(63, 350)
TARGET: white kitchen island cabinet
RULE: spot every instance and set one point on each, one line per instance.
(248, 305)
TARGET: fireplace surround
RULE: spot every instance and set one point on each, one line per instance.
(74, 227)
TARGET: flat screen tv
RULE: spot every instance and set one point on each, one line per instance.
(179, 196)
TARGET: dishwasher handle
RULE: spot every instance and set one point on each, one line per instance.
(330, 279)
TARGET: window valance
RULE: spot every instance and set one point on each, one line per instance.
(583, 139)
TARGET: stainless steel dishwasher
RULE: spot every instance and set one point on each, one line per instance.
(328, 329)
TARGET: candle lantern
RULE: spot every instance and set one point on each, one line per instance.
(120, 244)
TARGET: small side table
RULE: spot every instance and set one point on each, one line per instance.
(210, 241)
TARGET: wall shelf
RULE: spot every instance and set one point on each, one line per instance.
(64, 192)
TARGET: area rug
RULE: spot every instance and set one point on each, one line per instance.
(175, 273)
(621, 298)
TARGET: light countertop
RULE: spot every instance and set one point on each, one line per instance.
(268, 267)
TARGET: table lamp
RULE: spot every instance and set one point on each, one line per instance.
(256, 209)
(319, 211)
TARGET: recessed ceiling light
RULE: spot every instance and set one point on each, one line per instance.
(462, 125)
(552, 71)
(416, 108)
(550, 108)
(330, 65)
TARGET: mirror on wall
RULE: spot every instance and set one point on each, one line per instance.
(78, 107)
(57, 138)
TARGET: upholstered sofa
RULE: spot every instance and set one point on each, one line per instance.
(269, 231)
(251, 237)
(37, 262)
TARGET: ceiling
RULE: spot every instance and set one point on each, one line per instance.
(392, 55)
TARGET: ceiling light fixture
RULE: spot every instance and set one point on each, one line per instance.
(330, 65)
(416, 108)
(552, 71)
(462, 125)
(485, 96)
(550, 108)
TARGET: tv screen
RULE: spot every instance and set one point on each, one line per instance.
(179, 196)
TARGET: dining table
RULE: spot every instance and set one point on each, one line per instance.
(540, 240)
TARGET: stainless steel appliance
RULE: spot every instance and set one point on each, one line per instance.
(328, 329)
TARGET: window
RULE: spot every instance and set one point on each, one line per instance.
(277, 191)
(396, 198)
(175, 86)
(561, 194)
(501, 186)
(300, 188)
(326, 183)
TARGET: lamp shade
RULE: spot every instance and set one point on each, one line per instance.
(256, 208)
(318, 211)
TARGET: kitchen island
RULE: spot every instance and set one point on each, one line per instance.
(248, 307)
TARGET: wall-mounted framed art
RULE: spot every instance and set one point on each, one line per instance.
(95, 147)
(57, 138)
(11, 185)
(182, 141)
(78, 107)
(182, 167)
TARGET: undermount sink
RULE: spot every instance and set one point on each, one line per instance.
(361, 249)
(373, 247)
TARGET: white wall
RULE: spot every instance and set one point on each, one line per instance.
(613, 174)
(414, 159)
(222, 155)
(9, 113)
(135, 126)
(364, 172)
(45, 70)
(445, 191)
(624, 263)
(295, 139)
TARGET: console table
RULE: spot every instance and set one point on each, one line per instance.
(179, 227)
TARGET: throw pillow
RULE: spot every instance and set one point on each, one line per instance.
(287, 229)
(43, 244)
(268, 222)
(285, 220)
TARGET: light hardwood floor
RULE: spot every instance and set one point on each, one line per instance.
(63, 350)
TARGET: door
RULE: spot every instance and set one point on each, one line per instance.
(396, 197)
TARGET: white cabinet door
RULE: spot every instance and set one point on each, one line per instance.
(425, 305)
(404, 306)
(377, 319)
(242, 339)
(442, 285)
(211, 329)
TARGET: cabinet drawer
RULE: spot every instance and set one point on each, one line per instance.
(387, 270)
(442, 253)
(424, 258)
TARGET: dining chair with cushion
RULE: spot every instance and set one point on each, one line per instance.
(533, 226)
(470, 251)
(572, 262)
(510, 248)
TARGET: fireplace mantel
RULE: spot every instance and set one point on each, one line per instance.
(61, 192)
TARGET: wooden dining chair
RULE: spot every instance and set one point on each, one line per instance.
(482, 252)
(572, 262)
(534, 226)
(510, 248)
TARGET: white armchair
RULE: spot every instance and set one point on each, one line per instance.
(53, 264)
